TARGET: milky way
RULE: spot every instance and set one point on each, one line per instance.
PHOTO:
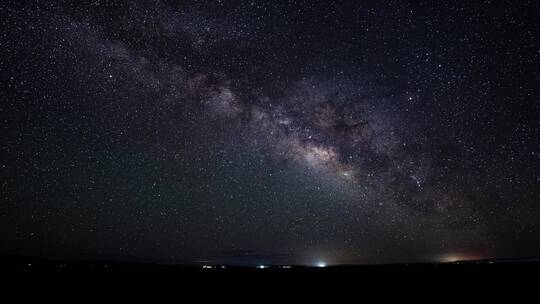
(270, 131)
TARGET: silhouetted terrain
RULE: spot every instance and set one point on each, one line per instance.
(30, 265)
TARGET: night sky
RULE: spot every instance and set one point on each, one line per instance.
(242, 132)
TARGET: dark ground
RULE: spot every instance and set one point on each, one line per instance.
(448, 281)
(37, 265)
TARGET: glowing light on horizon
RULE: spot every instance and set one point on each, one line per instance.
(453, 258)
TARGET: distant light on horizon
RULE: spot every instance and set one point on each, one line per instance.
(457, 257)
(321, 264)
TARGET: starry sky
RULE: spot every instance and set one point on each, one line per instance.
(270, 131)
